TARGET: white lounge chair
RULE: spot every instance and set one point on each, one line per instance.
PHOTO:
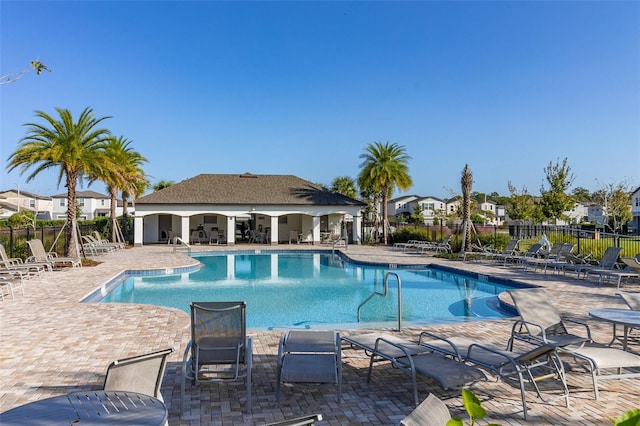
(39, 255)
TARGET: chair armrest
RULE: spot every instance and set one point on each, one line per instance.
(454, 349)
(582, 323)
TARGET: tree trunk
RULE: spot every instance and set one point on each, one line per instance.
(466, 183)
(385, 222)
(113, 194)
(71, 247)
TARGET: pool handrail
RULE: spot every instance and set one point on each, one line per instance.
(385, 293)
(179, 242)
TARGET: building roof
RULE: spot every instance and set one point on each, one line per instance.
(247, 188)
(83, 194)
(25, 194)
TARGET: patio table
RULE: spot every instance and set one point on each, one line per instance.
(625, 317)
(89, 408)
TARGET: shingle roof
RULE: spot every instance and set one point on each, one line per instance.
(83, 194)
(247, 189)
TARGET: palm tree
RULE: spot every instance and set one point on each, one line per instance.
(137, 184)
(124, 176)
(384, 167)
(466, 182)
(344, 185)
(77, 148)
(162, 185)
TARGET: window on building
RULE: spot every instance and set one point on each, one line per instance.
(32, 203)
(81, 202)
(62, 202)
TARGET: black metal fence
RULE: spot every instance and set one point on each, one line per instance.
(53, 238)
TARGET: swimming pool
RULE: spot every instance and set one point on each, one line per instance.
(319, 291)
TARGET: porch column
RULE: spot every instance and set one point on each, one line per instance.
(184, 229)
(274, 230)
(231, 230)
(357, 229)
(138, 224)
(316, 229)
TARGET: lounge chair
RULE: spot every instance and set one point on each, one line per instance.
(306, 356)
(98, 238)
(556, 258)
(631, 299)
(431, 412)
(10, 282)
(443, 246)
(214, 237)
(541, 323)
(142, 373)
(632, 262)
(93, 248)
(219, 350)
(509, 250)
(608, 268)
(293, 236)
(521, 258)
(529, 366)
(583, 266)
(18, 267)
(412, 358)
(40, 256)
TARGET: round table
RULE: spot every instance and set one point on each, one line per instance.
(89, 408)
(625, 317)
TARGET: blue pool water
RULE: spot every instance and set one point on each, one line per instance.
(317, 290)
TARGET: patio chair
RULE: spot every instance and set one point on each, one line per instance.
(142, 373)
(509, 250)
(10, 282)
(520, 259)
(214, 237)
(431, 412)
(413, 358)
(608, 268)
(219, 350)
(93, 248)
(632, 262)
(443, 246)
(540, 323)
(40, 256)
(306, 356)
(522, 367)
(293, 236)
(18, 267)
(555, 257)
(631, 299)
(583, 266)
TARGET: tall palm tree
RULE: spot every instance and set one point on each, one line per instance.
(77, 148)
(466, 183)
(125, 174)
(344, 185)
(384, 167)
(137, 184)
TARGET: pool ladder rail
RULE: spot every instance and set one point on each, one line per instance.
(180, 245)
(385, 293)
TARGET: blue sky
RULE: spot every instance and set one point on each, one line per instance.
(303, 87)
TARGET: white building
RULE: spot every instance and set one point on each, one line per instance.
(14, 200)
(634, 225)
(92, 205)
(400, 205)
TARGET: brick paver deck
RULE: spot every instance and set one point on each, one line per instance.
(52, 345)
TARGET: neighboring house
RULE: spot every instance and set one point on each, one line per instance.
(634, 225)
(279, 205)
(432, 207)
(454, 205)
(91, 204)
(596, 214)
(14, 200)
(400, 205)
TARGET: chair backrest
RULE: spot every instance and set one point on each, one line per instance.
(631, 299)
(610, 257)
(533, 250)
(511, 247)
(218, 332)
(3, 256)
(142, 374)
(534, 306)
(431, 412)
(37, 250)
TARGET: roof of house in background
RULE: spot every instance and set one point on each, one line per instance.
(83, 194)
(247, 188)
(25, 194)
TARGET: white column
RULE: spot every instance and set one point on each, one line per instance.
(274, 230)
(138, 224)
(231, 230)
(184, 229)
(316, 229)
(357, 229)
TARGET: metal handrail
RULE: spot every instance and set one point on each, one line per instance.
(179, 242)
(384, 293)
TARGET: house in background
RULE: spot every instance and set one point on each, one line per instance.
(432, 208)
(400, 205)
(14, 200)
(91, 204)
(634, 225)
(279, 206)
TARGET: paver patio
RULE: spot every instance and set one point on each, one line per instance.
(52, 345)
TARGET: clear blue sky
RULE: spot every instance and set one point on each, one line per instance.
(303, 87)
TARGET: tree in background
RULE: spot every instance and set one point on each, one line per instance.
(345, 185)
(556, 200)
(416, 217)
(581, 194)
(162, 185)
(15, 76)
(614, 198)
(466, 184)
(76, 148)
(521, 204)
(384, 168)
